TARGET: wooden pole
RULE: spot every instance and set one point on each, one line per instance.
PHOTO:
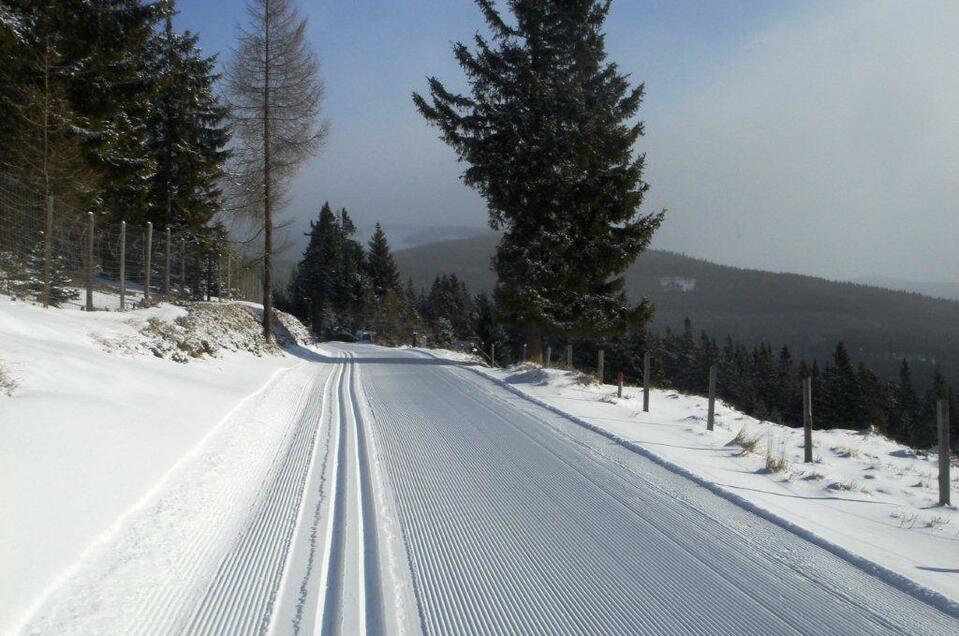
(90, 228)
(807, 419)
(166, 269)
(229, 276)
(619, 382)
(549, 356)
(123, 265)
(942, 415)
(711, 415)
(646, 382)
(569, 357)
(492, 355)
(182, 267)
(147, 255)
(601, 366)
(48, 253)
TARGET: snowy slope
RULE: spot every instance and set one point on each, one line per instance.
(863, 493)
(97, 419)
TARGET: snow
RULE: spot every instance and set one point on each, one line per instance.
(88, 430)
(864, 494)
(171, 473)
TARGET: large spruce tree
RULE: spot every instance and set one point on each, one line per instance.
(188, 133)
(548, 132)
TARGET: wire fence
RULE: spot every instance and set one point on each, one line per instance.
(57, 255)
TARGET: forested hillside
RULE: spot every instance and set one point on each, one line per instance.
(808, 314)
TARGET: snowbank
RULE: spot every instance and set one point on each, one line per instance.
(95, 408)
(868, 496)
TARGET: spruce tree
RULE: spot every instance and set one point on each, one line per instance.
(842, 402)
(188, 133)
(380, 267)
(905, 408)
(548, 133)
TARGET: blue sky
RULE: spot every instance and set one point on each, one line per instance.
(732, 87)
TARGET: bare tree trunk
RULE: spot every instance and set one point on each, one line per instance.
(534, 343)
(267, 204)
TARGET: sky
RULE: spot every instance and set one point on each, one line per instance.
(818, 137)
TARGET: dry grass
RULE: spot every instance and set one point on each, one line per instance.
(846, 451)
(850, 485)
(776, 462)
(746, 441)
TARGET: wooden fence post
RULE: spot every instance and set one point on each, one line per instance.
(166, 270)
(492, 355)
(48, 253)
(91, 226)
(148, 268)
(182, 267)
(807, 419)
(619, 381)
(549, 357)
(569, 357)
(123, 265)
(711, 416)
(229, 276)
(601, 366)
(646, 381)
(942, 415)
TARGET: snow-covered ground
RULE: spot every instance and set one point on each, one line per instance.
(94, 411)
(863, 494)
(168, 472)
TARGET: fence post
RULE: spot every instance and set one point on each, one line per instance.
(48, 253)
(166, 269)
(942, 415)
(148, 268)
(182, 267)
(123, 265)
(601, 366)
(711, 414)
(549, 356)
(569, 357)
(492, 355)
(646, 383)
(90, 228)
(807, 419)
(619, 382)
(229, 277)
(209, 271)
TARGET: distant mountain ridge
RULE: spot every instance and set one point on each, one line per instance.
(808, 314)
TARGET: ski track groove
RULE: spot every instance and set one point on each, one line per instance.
(241, 594)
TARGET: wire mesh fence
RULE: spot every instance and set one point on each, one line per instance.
(56, 255)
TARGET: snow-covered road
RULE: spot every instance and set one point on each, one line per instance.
(402, 493)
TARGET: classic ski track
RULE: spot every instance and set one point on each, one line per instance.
(242, 592)
(496, 548)
(260, 570)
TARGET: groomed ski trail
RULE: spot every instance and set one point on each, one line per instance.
(308, 561)
(518, 521)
